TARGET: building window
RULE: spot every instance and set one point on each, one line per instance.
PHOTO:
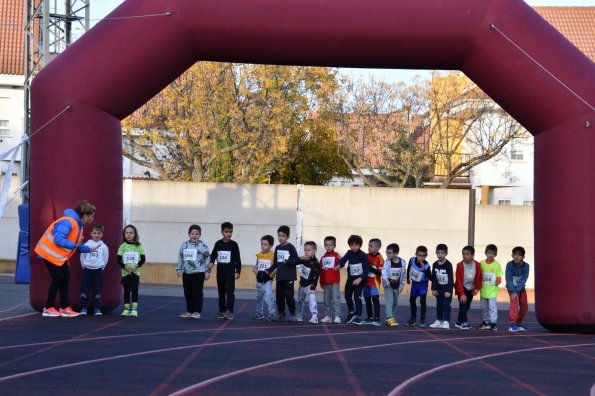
(528, 203)
(4, 129)
(516, 150)
(504, 202)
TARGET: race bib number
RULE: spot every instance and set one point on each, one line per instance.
(282, 255)
(224, 257)
(516, 280)
(355, 269)
(489, 278)
(93, 255)
(305, 271)
(416, 276)
(395, 274)
(328, 262)
(130, 258)
(263, 265)
(442, 279)
(190, 254)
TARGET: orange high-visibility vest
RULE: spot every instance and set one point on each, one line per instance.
(47, 248)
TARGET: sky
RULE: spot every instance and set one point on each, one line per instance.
(100, 8)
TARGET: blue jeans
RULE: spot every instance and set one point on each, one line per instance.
(92, 280)
(264, 293)
(443, 307)
(354, 293)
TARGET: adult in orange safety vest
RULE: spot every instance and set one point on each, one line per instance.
(58, 243)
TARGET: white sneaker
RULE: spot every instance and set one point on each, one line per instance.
(326, 319)
(299, 319)
(436, 325)
(195, 315)
(185, 315)
(445, 325)
(337, 319)
(314, 319)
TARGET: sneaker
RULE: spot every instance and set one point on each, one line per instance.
(357, 321)
(83, 311)
(50, 312)
(391, 322)
(228, 315)
(279, 318)
(68, 313)
(445, 325)
(483, 326)
(185, 315)
(337, 319)
(258, 317)
(411, 322)
(350, 317)
(326, 319)
(299, 319)
(133, 312)
(126, 312)
(195, 315)
(220, 315)
(513, 327)
(422, 324)
(292, 318)
(493, 327)
(522, 328)
(368, 321)
(314, 319)
(271, 318)
(376, 322)
(437, 324)
(97, 311)
(458, 325)
(465, 326)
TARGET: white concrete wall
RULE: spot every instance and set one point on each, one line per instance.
(12, 109)
(162, 212)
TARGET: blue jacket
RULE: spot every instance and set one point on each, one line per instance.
(63, 228)
(521, 273)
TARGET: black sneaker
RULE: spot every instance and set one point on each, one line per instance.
(493, 327)
(279, 318)
(411, 322)
(220, 315)
(350, 317)
(483, 326)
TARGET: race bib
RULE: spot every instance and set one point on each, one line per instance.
(93, 255)
(355, 269)
(190, 255)
(130, 258)
(516, 280)
(328, 262)
(442, 279)
(305, 271)
(489, 278)
(224, 257)
(395, 274)
(263, 265)
(416, 276)
(282, 255)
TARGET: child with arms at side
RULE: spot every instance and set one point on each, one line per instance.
(372, 282)
(330, 277)
(468, 284)
(192, 267)
(131, 256)
(418, 275)
(442, 284)
(93, 264)
(491, 273)
(286, 260)
(517, 273)
(357, 271)
(393, 278)
(264, 282)
(309, 272)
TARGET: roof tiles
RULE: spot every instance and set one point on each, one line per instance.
(12, 36)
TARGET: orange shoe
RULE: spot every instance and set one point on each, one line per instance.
(50, 312)
(68, 313)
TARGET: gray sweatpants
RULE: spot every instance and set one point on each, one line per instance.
(489, 309)
(391, 297)
(332, 300)
(303, 295)
(264, 293)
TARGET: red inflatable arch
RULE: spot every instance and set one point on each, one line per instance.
(514, 55)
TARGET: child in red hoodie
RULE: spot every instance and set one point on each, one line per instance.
(467, 284)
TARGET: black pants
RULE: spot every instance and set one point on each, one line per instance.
(464, 308)
(193, 286)
(413, 307)
(354, 293)
(60, 280)
(443, 307)
(92, 280)
(285, 294)
(226, 286)
(130, 283)
(373, 307)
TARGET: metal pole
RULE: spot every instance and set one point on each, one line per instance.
(471, 224)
